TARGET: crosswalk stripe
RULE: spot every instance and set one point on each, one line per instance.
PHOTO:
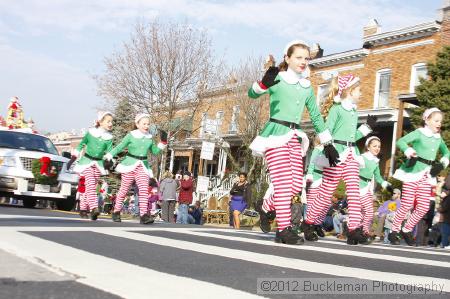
(273, 260)
(335, 251)
(327, 240)
(109, 274)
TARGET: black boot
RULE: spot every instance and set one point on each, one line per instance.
(287, 236)
(319, 231)
(394, 238)
(116, 217)
(147, 219)
(264, 221)
(94, 214)
(408, 237)
(310, 231)
(353, 237)
(84, 214)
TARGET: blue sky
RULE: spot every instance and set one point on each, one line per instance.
(49, 49)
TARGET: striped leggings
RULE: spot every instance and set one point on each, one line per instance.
(420, 192)
(285, 165)
(349, 172)
(142, 181)
(367, 211)
(310, 196)
(90, 200)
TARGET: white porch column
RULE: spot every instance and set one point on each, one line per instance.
(393, 147)
(172, 158)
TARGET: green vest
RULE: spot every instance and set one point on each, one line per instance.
(287, 103)
(371, 169)
(97, 142)
(138, 144)
(427, 145)
(312, 170)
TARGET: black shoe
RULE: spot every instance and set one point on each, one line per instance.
(84, 214)
(147, 219)
(310, 231)
(408, 237)
(394, 238)
(319, 231)
(287, 236)
(356, 237)
(264, 222)
(94, 214)
(116, 217)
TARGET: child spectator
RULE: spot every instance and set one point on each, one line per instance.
(392, 207)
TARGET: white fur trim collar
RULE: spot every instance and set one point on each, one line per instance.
(100, 133)
(138, 134)
(370, 156)
(427, 132)
(348, 105)
(292, 77)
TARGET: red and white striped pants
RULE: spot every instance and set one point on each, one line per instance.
(285, 165)
(367, 211)
(420, 192)
(349, 172)
(90, 200)
(268, 204)
(310, 197)
(142, 181)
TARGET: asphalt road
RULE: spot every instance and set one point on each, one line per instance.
(51, 254)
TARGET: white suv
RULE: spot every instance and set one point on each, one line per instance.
(18, 149)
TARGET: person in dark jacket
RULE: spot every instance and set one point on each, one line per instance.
(445, 214)
(185, 198)
(240, 197)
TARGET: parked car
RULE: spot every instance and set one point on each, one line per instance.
(18, 149)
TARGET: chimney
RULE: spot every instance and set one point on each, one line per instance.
(316, 51)
(371, 28)
(444, 18)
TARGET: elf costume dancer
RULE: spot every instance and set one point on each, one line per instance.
(418, 173)
(370, 171)
(342, 121)
(290, 91)
(96, 142)
(135, 166)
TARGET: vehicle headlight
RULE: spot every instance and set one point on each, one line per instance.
(8, 161)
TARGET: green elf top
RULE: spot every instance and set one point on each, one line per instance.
(421, 148)
(96, 142)
(371, 168)
(290, 91)
(139, 144)
(342, 120)
(313, 174)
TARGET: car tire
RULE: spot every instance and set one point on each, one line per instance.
(66, 204)
(29, 203)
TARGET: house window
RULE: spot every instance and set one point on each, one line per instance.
(382, 88)
(202, 124)
(322, 92)
(233, 129)
(219, 119)
(418, 71)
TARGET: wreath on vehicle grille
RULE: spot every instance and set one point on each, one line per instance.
(45, 171)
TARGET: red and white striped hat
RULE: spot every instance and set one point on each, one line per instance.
(345, 82)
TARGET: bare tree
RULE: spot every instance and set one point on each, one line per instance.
(254, 113)
(163, 70)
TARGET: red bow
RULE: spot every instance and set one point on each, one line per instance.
(45, 165)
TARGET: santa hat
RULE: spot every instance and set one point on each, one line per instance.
(294, 42)
(102, 114)
(141, 116)
(429, 111)
(345, 82)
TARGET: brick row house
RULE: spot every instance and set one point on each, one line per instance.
(388, 63)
